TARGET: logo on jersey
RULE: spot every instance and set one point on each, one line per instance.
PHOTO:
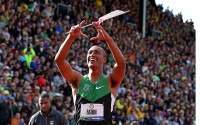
(99, 87)
(51, 122)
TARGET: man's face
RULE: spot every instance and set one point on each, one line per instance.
(95, 57)
(44, 104)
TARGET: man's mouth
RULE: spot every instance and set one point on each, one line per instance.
(93, 59)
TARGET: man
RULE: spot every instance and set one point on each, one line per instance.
(46, 115)
(4, 107)
(94, 93)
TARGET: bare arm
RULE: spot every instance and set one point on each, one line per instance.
(64, 67)
(118, 71)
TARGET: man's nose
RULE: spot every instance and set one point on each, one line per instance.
(43, 105)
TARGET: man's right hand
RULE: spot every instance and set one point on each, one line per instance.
(76, 31)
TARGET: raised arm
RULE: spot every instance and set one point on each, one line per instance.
(118, 71)
(63, 65)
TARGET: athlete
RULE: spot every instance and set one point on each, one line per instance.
(94, 93)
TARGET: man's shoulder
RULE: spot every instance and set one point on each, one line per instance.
(35, 115)
(34, 118)
(57, 115)
(56, 112)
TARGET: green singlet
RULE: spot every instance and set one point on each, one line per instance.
(94, 102)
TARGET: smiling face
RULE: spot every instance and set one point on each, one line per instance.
(96, 57)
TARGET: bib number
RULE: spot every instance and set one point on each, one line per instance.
(92, 111)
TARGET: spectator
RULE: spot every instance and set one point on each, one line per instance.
(4, 107)
(46, 115)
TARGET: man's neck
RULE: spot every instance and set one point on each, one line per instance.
(94, 75)
(46, 113)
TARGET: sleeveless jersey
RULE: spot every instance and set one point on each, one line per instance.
(93, 102)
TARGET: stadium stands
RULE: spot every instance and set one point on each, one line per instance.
(159, 86)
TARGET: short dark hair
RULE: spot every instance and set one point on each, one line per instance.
(44, 95)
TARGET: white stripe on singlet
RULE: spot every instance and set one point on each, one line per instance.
(112, 102)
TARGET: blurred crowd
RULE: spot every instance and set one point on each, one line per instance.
(159, 86)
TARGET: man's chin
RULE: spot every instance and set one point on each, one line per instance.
(45, 111)
(91, 66)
